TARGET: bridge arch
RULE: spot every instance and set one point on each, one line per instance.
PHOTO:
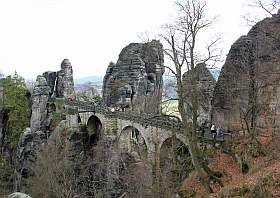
(84, 116)
(94, 129)
(167, 134)
(132, 141)
(175, 161)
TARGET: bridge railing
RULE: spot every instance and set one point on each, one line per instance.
(159, 120)
(85, 105)
(155, 120)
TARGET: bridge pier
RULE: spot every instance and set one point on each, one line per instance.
(72, 121)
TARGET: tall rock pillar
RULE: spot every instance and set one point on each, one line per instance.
(135, 82)
(205, 88)
(40, 97)
(248, 87)
(65, 82)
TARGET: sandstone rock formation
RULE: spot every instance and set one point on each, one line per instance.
(29, 145)
(76, 144)
(65, 82)
(57, 84)
(87, 92)
(40, 97)
(135, 81)
(250, 78)
(31, 140)
(205, 90)
(51, 78)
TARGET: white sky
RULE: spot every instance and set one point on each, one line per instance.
(36, 35)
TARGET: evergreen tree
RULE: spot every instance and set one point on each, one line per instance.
(15, 102)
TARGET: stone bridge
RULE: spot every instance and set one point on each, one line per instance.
(145, 133)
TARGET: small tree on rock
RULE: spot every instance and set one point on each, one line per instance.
(181, 39)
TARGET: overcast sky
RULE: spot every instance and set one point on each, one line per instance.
(36, 35)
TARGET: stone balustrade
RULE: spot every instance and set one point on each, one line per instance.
(161, 121)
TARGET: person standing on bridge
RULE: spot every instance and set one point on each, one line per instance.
(213, 131)
(220, 132)
(203, 126)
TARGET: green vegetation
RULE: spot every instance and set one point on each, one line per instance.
(55, 118)
(6, 177)
(58, 113)
(15, 102)
(59, 104)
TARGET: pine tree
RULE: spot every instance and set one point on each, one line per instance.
(16, 103)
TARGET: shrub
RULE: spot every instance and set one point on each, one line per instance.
(6, 177)
(17, 104)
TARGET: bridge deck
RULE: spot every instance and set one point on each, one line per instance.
(159, 121)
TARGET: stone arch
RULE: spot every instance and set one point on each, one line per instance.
(131, 141)
(86, 115)
(175, 162)
(166, 134)
(94, 129)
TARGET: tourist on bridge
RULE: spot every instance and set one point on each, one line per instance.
(203, 127)
(220, 132)
(213, 131)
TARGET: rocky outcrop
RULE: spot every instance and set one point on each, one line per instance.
(29, 145)
(77, 144)
(40, 98)
(47, 87)
(135, 81)
(50, 78)
(205, 89)
(87, 92)
(250, 79)
(65, 82)
(34, 137)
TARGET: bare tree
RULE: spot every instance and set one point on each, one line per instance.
(266, 7)
(269, 6)
(145, 37)
(181, 39)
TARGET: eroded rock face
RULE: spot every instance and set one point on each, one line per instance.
(250, 76)
(34, 137)
(56, 84)
(40, 97)
(205, 90)
(135, 81)
(87, 91)
(50, 78)
(65, 82)
(30, 143)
